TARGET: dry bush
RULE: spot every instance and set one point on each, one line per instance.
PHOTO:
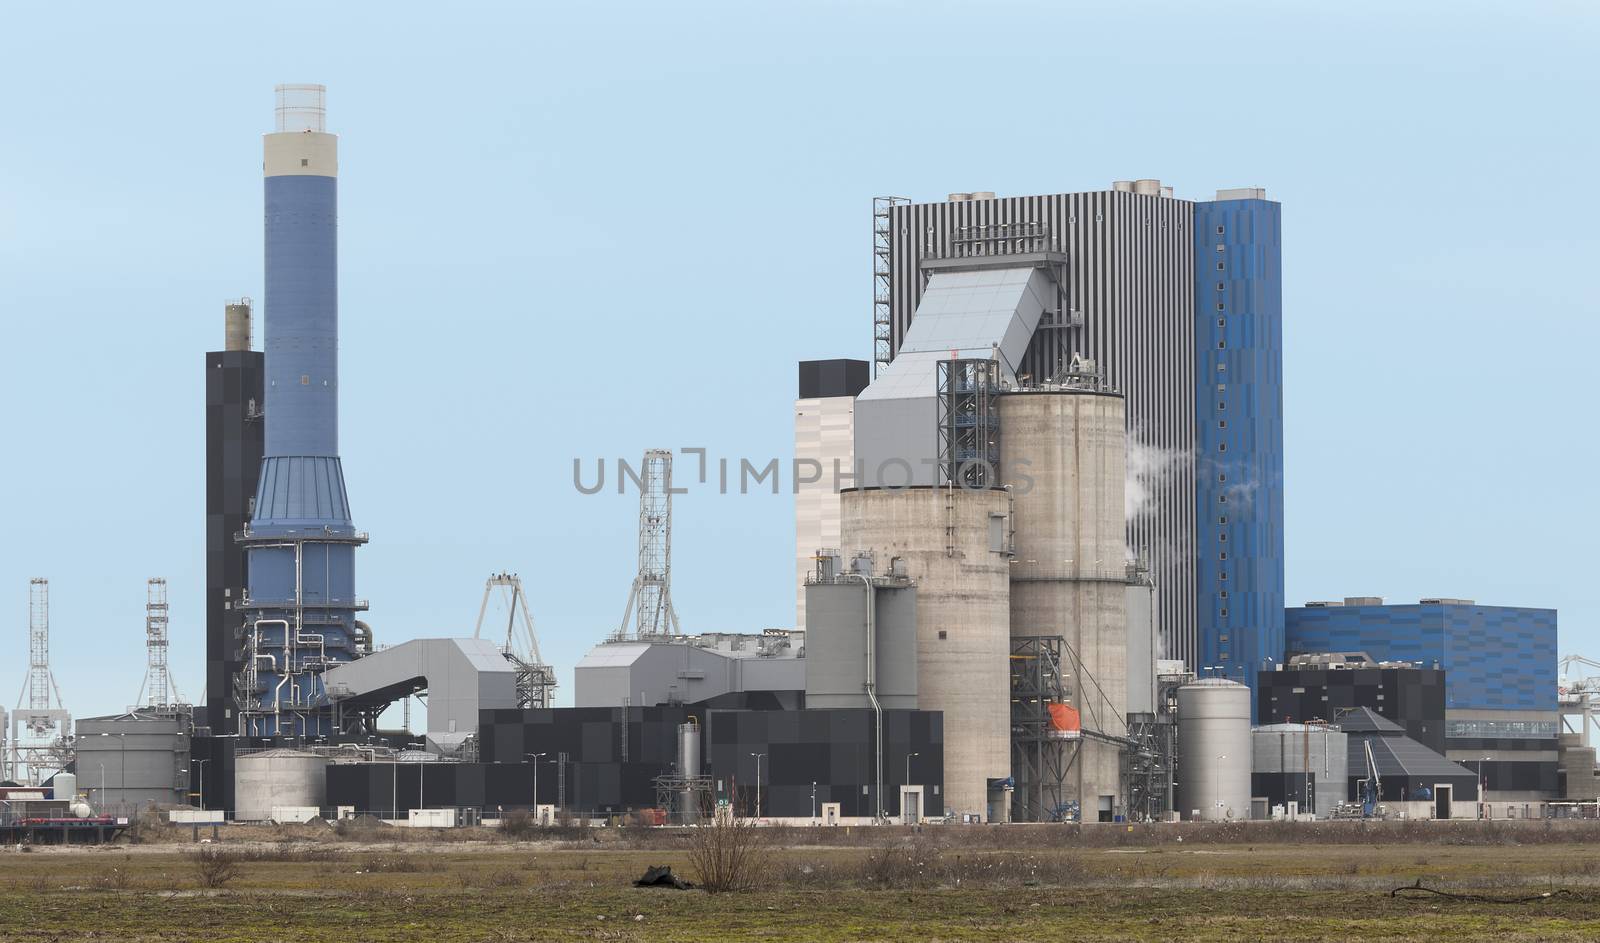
(726, 850)
(517, 825)
(361, 828)
(398, 864)
(214, 867)
(287, 852)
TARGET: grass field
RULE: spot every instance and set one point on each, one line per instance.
(988, 884)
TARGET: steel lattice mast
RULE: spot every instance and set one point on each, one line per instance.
(158, 688)
(40, 726)
(650, 600)
(41, 684)
(536, 681)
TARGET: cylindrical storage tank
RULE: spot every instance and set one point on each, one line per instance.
(836, 643)
(1214, 750)
(958, 197)
(1122, 186)
(276, 779)
(64, 787)
(688, 767)
(953, 543)
(689, 749)
(1307, 763)
(1064, 454)
(1147, 186)
(236, 326)
(981, 195)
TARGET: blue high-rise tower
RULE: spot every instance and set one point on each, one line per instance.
(1238, 312)
(301, 605)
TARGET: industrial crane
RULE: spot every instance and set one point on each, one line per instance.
(536, 680)
(1578, 695)
(1370, 789)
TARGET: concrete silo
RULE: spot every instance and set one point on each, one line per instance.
(954, 544)
(1064, 454)
(1214, 750)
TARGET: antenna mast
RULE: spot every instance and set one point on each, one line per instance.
(650, 600)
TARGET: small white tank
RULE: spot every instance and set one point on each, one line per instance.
(65, 786)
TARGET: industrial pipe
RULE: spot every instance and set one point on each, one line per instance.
(872, 687)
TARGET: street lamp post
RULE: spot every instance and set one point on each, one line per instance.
(201, 779)
(813, 799)
(758, 757)
(537, 816)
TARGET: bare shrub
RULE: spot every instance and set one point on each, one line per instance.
(392, 864)
(727, 851)
(214, 867)
(287, 851)
(517, 825)
(112, 879)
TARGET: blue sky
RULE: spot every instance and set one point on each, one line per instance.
(585, 229)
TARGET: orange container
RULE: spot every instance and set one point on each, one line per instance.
(1065, 724)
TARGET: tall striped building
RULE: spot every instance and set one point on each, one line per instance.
(1131, 285)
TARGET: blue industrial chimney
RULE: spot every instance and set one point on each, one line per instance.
(301, 607)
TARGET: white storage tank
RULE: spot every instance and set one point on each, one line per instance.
(278, 779)
(64, 787)
(1214, 750)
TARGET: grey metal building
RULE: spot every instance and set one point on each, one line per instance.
(690, 669)
(1127, 283)
(128, 762)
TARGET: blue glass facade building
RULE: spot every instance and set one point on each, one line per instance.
(1500, 665)
(1239, 436)
(1494, 657)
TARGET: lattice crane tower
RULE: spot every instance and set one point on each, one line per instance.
(40, 726)
(650, 600)
(158, 689)
(536, 681)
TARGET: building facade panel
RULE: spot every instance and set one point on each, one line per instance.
(234, 439)
(1238, 317)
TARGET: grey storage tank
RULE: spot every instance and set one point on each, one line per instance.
(278, 779)
(130, 762)
(1214, 750)
(841, 609)
(1304, 763)
(954, 544)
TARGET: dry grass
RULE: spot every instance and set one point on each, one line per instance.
(942, 884)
